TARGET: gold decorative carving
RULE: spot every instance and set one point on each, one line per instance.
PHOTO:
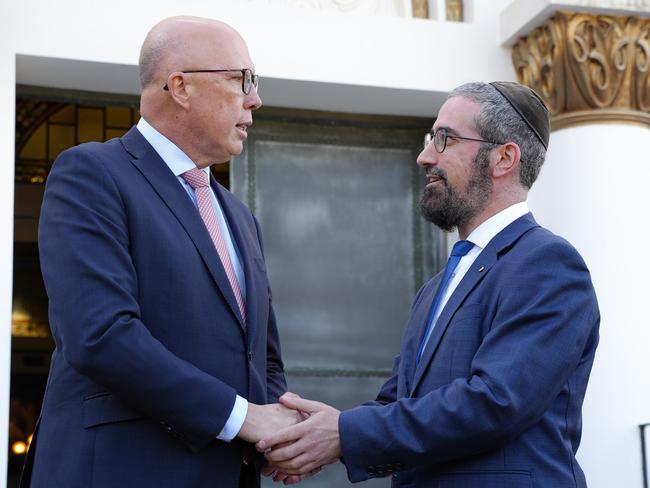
(588, 67)
(420, 9)
(454, 10)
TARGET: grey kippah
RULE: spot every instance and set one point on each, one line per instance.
(530, 107)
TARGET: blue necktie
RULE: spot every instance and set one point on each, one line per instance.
(458, 251)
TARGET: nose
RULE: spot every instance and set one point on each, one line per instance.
(252, 101)
(428, 156)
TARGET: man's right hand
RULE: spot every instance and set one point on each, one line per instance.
(262, 421)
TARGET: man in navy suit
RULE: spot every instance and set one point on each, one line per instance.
(488, 387)
(167, 362)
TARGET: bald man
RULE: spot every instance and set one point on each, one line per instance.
(167, 362)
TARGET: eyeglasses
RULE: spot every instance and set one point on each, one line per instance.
(440, 137)
(248, 79)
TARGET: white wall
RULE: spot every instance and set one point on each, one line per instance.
(593, 190)
(7, 137)
(307, 58)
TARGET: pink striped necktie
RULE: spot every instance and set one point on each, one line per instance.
(200, 182)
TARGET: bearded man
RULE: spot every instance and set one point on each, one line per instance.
(488, 387)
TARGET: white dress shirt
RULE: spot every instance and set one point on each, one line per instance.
(179, 163)
(480, 237)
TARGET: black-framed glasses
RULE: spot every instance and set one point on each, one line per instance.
(248, 79)
(439, 139)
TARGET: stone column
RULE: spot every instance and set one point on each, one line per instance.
(593, 71)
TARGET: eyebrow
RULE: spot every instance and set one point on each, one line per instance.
(450, 131)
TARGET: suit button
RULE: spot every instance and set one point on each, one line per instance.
(250, 356)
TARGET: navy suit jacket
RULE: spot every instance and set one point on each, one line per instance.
(496, 399)
(150, 345)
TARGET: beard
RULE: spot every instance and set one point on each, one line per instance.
(443, 205)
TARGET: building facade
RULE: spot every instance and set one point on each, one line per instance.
(349, 87)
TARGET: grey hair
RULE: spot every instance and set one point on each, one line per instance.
(498, 121)
(152, 55)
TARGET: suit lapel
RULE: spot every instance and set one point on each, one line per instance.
(485, 260)
(417, 323)
(166, 185)
(479, 269)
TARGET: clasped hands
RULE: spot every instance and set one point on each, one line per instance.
(297, 437)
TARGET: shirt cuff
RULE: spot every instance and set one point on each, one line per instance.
(235, 421)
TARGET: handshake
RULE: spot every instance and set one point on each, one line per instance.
(297, 436)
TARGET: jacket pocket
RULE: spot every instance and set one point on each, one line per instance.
(487, 479)
(104, 408)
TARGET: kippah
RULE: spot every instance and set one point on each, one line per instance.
(530, 107)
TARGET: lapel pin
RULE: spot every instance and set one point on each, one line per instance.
(481, 269)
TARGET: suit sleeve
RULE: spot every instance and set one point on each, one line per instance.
(93, 291)
(275, 380)
(546, 318)
(276, 384)
(388, 391)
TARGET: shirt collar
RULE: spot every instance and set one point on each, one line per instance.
(170, 153)
(484, 233)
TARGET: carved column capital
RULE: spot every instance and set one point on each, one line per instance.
(588, 68)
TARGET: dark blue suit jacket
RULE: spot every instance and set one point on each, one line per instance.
(496, 399)
(150, 345)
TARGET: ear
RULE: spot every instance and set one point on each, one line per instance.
(506, 160)
(177, 85)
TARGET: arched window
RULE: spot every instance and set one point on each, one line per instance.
(45, 128)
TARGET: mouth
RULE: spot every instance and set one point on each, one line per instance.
(242, 128)
(433, 179)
